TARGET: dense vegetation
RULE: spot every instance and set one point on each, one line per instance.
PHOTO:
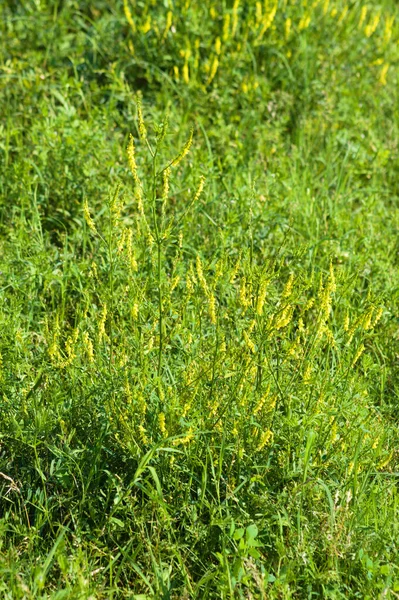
(199, 299)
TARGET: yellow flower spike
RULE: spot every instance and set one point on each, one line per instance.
(129, 250)
(201, 276)
(388, 28)
(140, 118)
(383, 75)
(168, 24)
(309, 304)
(218, 45)
(234, 23)
(212, 309)
(185, 73)
(287, 28)
(267, 21)
(363, 15)
(185, 150)
(265, 439)
(261, 297)
(88, 347)
(200, 189)
(226, 27)
(213, 70)
(288, 287)
(304, 22)
(128, 15)
(372, 26)
(146, 27)
(386, 461)
(326, 6)
(250, 344)
(131, 156)
(378, 316)
(176, 73)
(135, 311)
(367, 319)
(89, 221)
(165, 184)
(243, 296)
(143, 434)
(285, 318)
(307, 376)
(358, 354)
(133, 169)
(101, 325)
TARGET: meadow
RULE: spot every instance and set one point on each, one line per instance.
(199, 284)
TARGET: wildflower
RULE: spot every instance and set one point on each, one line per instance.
(285, 318)
(165, 184)
(142, 434)
(266, 439)
(358, 354)
(287, 28)
(201, 277)
(307, 375)
(213, 71)
(212, 309)
(128, 15)
(384, 463)
(304, 22)
(235, 18)
(142, 128)
(383, 75)
(88, 347)
(261, 296)
(226, 26)
(249, 342)
(372, 26)
(378, 316)
(388, 29)
(162, 426)
(168, 24)
(368, 318)
(89, 221)
(199, 189)
(185, 73)
(135, 311)
(185, 150)
(101, 326)
(244, 298)
(288, 287)
(363, 14)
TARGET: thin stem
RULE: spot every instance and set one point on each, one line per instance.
(111, 285)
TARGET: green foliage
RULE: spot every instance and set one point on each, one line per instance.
(199, 292)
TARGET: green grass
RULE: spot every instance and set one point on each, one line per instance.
(199, 396)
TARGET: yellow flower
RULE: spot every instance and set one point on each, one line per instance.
(265, 439)
(185, 151)
(383, 75)
(86, 212)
